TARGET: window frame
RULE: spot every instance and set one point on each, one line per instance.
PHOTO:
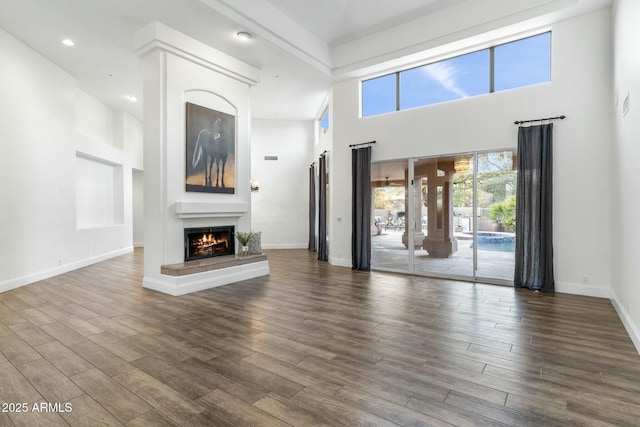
(325, 114)
(491, 67)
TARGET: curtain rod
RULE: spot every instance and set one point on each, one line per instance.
(364, 143)
(517, 122)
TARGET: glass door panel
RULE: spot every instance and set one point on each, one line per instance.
(389, 189)
(443, 200)
(496, 201)
(457, 216)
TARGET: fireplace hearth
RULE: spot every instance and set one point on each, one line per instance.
(207, 242)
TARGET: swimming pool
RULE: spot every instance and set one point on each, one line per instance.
(489, 241)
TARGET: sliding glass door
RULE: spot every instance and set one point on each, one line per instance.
(448, 216)
(390, 191)
(496, 205)
(441, 247)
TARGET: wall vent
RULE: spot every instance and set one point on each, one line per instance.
(271, 157)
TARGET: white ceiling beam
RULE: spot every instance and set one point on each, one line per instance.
(156, 35)
(268, 22)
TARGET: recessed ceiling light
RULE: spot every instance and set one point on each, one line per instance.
(132, 98)
(243, 35)
(68, 42)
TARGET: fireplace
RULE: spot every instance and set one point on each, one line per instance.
(207, 242)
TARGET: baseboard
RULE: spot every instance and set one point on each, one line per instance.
(138, 244)
(340, 262)
(61, 269)
(629, 325)
(582, 289)
(285, 246)
(182, 285)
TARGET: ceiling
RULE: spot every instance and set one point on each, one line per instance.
(300, 46)
(339, 21)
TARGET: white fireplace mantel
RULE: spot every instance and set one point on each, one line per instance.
(210, 210)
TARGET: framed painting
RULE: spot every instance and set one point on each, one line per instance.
(211, 147)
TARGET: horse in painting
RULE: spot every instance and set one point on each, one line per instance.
(212, 150)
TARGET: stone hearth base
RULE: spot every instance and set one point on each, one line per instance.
(208, 264)
(194, 276)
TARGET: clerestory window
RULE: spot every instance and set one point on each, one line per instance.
(511, 65)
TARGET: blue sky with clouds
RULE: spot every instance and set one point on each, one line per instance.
(520, 63)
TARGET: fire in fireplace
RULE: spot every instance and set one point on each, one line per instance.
(206, 242)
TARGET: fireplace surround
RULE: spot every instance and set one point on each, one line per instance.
(207, 242)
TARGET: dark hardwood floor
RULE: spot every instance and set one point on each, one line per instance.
(309, 345)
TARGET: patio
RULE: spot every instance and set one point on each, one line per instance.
(388, 252)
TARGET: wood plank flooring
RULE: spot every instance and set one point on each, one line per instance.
(311, 345)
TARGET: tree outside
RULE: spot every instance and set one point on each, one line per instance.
(496, 182)
(389, 198)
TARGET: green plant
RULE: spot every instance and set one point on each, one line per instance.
(244, 237)
(504, 212)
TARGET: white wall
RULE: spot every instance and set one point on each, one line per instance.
(138, 208)
(94, 120)
(129, 134)
(580, 89)
(97, 193)
(280, 209)
(41, 130)
(625, 169)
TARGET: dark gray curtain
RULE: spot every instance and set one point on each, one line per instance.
(312, 208)
(361, 208)
(534, 209)
(323, 253)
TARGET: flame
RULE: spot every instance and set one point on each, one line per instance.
(208, 239)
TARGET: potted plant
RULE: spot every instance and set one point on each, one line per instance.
(504, 214)
(243, 239)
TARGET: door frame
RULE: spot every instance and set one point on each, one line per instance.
(412, 223)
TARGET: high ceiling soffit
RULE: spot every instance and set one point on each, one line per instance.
(416, 31)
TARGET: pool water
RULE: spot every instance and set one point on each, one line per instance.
(500, 242)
